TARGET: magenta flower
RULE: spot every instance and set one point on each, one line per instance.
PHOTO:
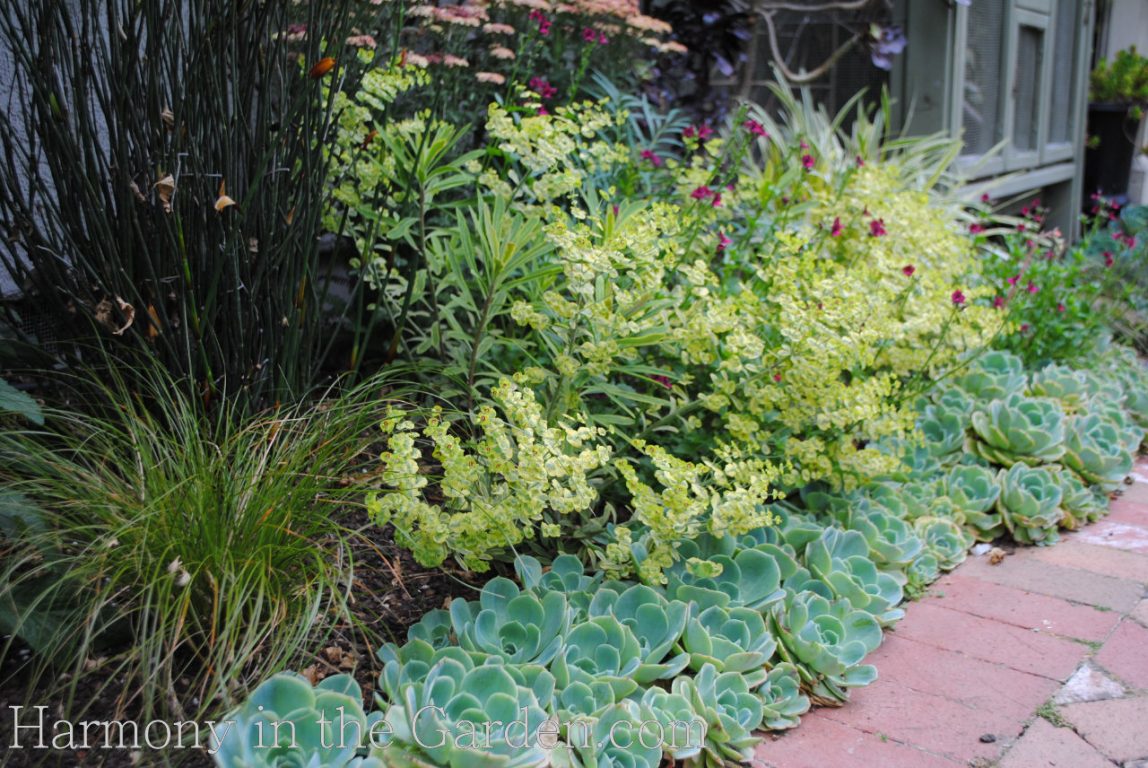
(589, 35)
(1060, 307)
(804, 145)
(985, 198)
(976, 228)
(958, 298)
(808, 162)
(754, 127)
(777, 378)
(908, 270)
(837, 228)
(701, 132)
(1031, 288)
(717, 200)
(860, 161)
(1024, 327)
(543, 88)
(602, 39)
(998, 302)
(877, 228)
(652, 156)
(663, 380)
(723, 241)
(1109, 260)
(544, 28)
(1014, 279)
(702, 193)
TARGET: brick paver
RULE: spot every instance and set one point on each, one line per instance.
(1028, 610)
(1125, 655)
(963, 676)
(1115, 727)
(1043, 744)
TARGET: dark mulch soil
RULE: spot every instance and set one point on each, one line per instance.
(390, 593)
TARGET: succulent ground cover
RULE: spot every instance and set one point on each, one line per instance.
(698, 406)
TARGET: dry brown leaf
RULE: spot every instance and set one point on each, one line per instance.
(129, 313)
(996, 556)
(165, 188)
(153, 324)
(224, 201)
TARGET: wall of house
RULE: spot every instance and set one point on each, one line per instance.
(1127, 25)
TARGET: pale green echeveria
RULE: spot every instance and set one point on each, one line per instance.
(1103, 387)
(944, 539)
(583, 698)
(464, 716)
(1131, 433)
(434, 629)
(974, 490)
(892, 542)
(1018, 428)
(1081, 503)
(749, 579)
(288, 722)
(921, 573)
(1097, 452)
(943, 430)
(517, 625)
(621, 736)
(783, 701)
(732, 640)
(656, 623)
(826, 641)
(731, 710)
(841, 560)
(409, 664)
(601, 649)
(1135, 385)
(566, 574)
(1067, 386)
(888, 498)
(993, 376)
(681, 731)
(955, 400)
(1030, 503)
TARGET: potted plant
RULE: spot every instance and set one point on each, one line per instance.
(1117, 98)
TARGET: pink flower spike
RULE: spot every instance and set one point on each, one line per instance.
(1031, 287)
(998, 302)
(808, 162)
(701, 193)
(1014, 279)
(589, 35)
(689, 132)
(602, 39)
(837, 228)
(908, 270)
(704, 132)
(1060, 308)
(723, 241)
(755, 128)
(652, 157)
(958, 298)
(544, 28)
(877, 228)
(717, 200)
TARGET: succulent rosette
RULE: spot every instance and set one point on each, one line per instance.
(1030, 503)
(1018, 429)
(1096, 451)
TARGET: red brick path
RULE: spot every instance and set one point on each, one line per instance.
(1039, 661)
